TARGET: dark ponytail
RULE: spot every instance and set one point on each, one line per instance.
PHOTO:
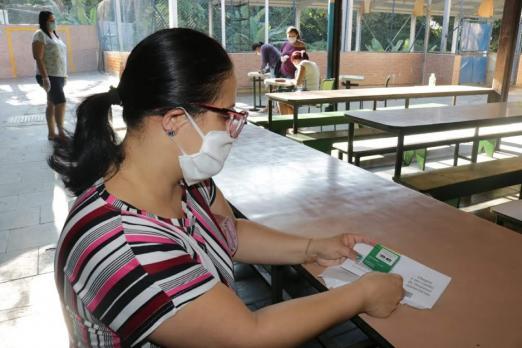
(170, 68)
(92, 150)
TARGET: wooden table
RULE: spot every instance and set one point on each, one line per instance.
(347, 79)
(297, 99)
(285, 185)
(278, 82)
(257, 78)
(510, 212)
(414, 121)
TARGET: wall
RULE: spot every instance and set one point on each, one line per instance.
(445, 66)
(16, 59)
(114, 62)
(405, 68)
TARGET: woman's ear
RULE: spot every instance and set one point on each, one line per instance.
(173, 120)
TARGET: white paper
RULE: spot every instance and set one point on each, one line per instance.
(423, 285)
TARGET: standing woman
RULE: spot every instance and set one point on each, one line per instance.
(50, 54)
(293, 43)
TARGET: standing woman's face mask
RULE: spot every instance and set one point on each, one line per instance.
(51, 24)
(292, 37)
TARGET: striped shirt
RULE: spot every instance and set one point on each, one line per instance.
(121, 271)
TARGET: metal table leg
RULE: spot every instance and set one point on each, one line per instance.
(296, 110)
(276, 273)
(351, 132)
(270, 113)
(398, 159)
(254, 107)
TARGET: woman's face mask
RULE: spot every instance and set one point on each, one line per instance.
(292, 39)
(211, 157)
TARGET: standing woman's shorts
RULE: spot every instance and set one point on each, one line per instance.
(55, 94)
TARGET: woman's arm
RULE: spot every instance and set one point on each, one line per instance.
(300, 75)
(38, 55)
(263, 245)
(219, 318)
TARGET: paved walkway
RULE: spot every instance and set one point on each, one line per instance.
(33, 206)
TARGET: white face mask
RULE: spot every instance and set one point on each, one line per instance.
(292, 40)
(211, 157)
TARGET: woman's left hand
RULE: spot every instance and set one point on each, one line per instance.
(335, 250)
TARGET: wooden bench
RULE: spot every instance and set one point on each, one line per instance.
(509, 212)
(323, 141)
(415, 145)
(455, 182)
(281, 123)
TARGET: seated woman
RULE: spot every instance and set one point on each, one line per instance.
(307, 77)
(145, 258)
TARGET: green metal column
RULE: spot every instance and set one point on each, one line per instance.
(334, 40)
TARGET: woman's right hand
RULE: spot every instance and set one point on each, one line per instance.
(284, 58)
(381, 293)
(46, 84)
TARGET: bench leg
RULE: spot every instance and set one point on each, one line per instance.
(351, 131)
(456, 155)
(357, 161)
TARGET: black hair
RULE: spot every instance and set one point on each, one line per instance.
(43, 17)
(257, 45)
(170, 68)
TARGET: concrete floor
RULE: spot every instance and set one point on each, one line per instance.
(34, 204)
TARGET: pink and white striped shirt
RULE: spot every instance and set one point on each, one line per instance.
(121, 271)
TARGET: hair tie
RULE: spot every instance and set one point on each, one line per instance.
(114, 96)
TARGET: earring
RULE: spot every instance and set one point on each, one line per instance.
(171, 133)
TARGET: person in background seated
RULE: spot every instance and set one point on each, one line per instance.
(293, 43)
(270, 58)
(145, 258)
(307, 77)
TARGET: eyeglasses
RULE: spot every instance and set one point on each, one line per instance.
(235, 119)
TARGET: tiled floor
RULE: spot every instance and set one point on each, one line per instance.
(33, 206)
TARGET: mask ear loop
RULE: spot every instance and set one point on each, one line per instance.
(193, 123)
(191, 120)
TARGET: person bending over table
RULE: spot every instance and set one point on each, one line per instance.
(270, 58)
(146, 254)
(307, 78)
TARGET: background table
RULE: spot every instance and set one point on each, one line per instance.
(257, 78)
(414, 121)
(278, 82)
(297, 99)
(285, 185)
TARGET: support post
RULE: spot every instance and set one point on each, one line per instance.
(455, 38)
(334, 40)
(506, 49)
(358, 32)
(349, 26)
(298, 16)
(117, 13)
(267, 27)
(210, 20)
(173, 13)
(223, 25)
(445, 26)
(413, 25)
(426, 40)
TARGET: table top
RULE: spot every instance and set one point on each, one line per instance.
(351, 77)
(258, 74)
(285, 185)
(279, 81)
(339, 95)
(439, 118)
